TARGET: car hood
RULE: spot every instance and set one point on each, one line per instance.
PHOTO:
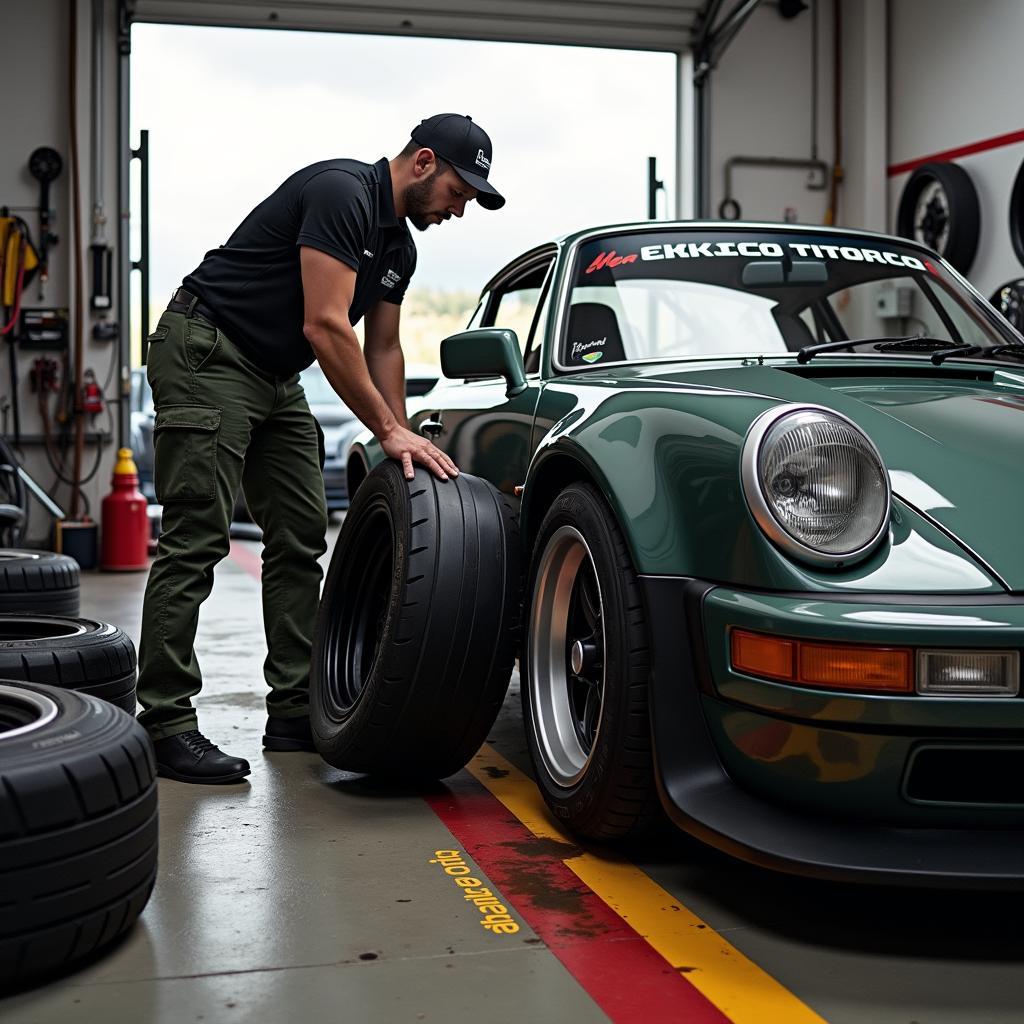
(952, 439)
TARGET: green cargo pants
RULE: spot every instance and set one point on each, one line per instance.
(221, 422)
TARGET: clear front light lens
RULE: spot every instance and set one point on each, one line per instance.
(822, 483)
(969, 673)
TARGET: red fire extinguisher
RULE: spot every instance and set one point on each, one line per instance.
(124, 520)
(92, 396)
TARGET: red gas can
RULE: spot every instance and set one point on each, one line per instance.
(125, 523)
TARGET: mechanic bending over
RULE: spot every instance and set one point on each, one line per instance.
(330, 246)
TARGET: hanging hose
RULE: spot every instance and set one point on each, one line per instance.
(76, 319)
(19, 286)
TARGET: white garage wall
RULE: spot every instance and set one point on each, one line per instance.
(957, 78)
(34, 82)
(761, 106)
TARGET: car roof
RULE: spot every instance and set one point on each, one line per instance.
(724, 225)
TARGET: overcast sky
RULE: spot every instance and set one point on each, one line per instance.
(233, 112)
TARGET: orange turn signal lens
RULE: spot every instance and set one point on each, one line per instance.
(830, 666)
(761, 655)
(856, 668)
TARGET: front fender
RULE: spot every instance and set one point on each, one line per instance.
(669, 466)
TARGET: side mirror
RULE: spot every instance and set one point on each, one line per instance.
(485, 352)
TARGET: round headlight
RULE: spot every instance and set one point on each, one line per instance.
(816, 484)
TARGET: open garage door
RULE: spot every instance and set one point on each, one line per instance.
(646, 25)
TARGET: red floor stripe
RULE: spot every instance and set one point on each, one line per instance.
(625, 976)
(246, 559)
(953, 154)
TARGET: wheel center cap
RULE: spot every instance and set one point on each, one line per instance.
(576, 657)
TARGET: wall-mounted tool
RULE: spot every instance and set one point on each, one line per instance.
(18, 261)
(45, 165)
(101, 257)
(92, 394)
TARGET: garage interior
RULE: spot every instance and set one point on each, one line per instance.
(310, 890)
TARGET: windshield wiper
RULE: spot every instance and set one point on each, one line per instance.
(979, 351)
(911, 343)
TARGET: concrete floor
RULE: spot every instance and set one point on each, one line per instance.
(308, 893)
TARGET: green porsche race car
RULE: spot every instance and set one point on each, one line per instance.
(744, 501)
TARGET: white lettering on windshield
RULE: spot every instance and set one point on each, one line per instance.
(755, 250)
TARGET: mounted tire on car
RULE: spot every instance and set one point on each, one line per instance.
(37, 582)
(78, 828)
(585, 672)
(91, 657)
(416, 635)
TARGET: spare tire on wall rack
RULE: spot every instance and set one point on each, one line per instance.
(1017, 214)
(91, 657)
(78, 828)
(417, 631)
(939, 207)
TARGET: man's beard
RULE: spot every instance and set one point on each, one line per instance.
(418, 202)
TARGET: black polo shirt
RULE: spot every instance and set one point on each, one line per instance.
(253, 284)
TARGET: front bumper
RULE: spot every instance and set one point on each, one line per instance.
(814, 782)
(336, 484)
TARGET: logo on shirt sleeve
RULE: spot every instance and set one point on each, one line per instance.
(390, 279)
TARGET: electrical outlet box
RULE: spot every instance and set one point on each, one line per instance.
(894, 302)
(43, 329)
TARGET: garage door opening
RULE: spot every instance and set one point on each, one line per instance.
(231, 112)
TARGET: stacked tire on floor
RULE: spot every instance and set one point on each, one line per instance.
(78, 798)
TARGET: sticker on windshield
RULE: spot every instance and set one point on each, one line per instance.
(756, 250)
(585, 349)
(610, 259)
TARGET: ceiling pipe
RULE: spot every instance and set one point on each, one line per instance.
(99, 218)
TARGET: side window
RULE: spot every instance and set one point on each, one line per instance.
(476, 320)
(516, 301)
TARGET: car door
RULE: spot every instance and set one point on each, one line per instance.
(484, 431)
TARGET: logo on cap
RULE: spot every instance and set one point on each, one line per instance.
(482, 160)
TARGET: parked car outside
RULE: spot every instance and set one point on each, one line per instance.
(340, 425)
(769, 485)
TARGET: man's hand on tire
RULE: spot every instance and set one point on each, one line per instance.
(407, 448)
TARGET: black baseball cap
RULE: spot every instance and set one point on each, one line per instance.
(467, 147)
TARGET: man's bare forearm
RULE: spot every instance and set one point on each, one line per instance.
(387, 371)
(337, 351)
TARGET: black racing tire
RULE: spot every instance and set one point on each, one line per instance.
(39, 582)
(78, 829)
(963, 216)
(94, 658)
(1017, 214)
(587, 720)
(416, 635)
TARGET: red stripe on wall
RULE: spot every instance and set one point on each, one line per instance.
(952, 154)
(624, 975)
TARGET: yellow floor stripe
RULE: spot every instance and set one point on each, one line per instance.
(737, 986)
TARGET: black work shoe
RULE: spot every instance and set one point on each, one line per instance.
(191, 757)
(288, 734)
